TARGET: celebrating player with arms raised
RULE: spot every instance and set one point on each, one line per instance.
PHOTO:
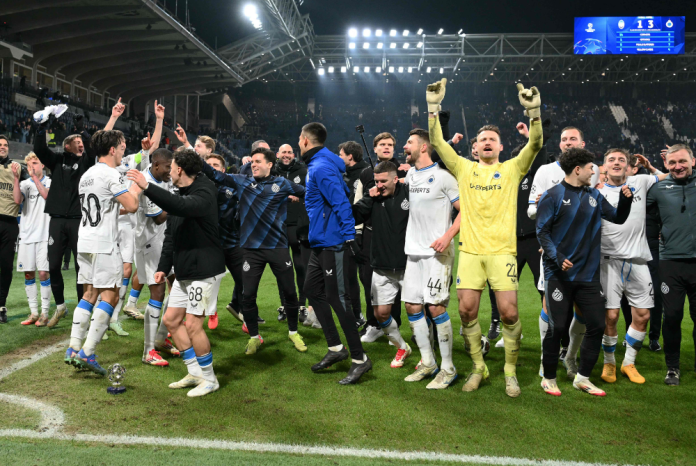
(487, 241)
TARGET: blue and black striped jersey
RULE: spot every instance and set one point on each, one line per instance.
(569, 226)
(262, 206)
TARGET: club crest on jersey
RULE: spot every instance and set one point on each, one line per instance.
(296, 180)
(50, 240)
(431, 179)
(459, 280)
(228, 194)
(664, 288)
(275, 188)
(355, 185)
(593, 202)
(496, 175)
(253, 185)
(405, 204)
(20, 266)
(246, 266)
(557, 295)
(288, 263)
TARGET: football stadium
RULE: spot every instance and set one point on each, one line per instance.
(306, 232)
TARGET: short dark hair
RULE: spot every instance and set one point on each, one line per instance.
(219, 158)
(386, 167)
(255, 145)
(315, 132)
(352, 148)
(162, 154)
(103, 141)
(575, 157)
(382, 136)
(69, 139)
(267, 154)
(423, 135)
(473, 141)
(493, 128)
(190, 162)
(568, 128)
(2, 136)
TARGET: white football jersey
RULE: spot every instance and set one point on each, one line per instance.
(146, 230)
(33, 227)
(431, 191)
(128, 162)
(628, 241)
(99, 187)
(547, 177)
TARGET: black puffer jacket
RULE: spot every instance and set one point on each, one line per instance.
(351, 177)
(296, 172)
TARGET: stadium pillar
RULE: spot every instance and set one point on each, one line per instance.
(187, 113)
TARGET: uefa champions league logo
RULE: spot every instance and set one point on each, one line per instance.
(622, 24)
(669, 23)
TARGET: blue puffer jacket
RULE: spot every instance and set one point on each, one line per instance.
(330, 214)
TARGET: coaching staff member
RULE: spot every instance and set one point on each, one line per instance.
(331, 237)
(672, 203)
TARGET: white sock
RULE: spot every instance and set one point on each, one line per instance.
(152, 318)
(189, 357)
(364, 359)
(577, 334)
(634, 340)
(581, 378)
(419, 327)
(609, 347)
(121, 299)
(543, 325)
(81, 318)
(205, 362)
(30, 288)
(162, 330)
(117, 311)
(133, 298)
(97, 327)
(391, 330)
(45, 297)
(336, 348)
(446, 340)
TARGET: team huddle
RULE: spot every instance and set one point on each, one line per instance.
(181, 219)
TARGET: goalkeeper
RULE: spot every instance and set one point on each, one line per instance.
(487, 241)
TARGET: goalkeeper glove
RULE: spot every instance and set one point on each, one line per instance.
(434, 95)
(530, 100)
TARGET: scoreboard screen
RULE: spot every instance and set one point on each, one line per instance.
(629, 35)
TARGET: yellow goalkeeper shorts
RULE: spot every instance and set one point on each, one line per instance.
(499, 270)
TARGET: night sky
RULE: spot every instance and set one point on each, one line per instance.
(224, 18)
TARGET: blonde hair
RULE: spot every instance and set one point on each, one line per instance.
(31, 156)
(208, 142)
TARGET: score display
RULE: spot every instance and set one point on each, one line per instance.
(629, 35)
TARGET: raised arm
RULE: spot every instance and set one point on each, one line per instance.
(531, 101)
(116, 112)
(43, 190)
(220, 178)
(181, 206)
(46, 156)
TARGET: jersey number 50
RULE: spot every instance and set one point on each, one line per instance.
(87, 210)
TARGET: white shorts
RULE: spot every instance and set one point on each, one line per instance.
(199, 297)
(540, 282)
(126, 240)
(385, 286)
(427, 280)
(100, 270)
(625, 277)
(32, 257)
(146, 261)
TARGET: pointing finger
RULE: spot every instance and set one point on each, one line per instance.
(520, 86)
(535, 91)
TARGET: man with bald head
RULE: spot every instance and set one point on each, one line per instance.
(290, 167)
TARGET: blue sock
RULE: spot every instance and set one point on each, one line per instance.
(135, 293)
(106, 307)
(125, 282)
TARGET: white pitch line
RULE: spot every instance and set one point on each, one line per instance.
(52, 420)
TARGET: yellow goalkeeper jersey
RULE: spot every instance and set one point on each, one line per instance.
(487, 193)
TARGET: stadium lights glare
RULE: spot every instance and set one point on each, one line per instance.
(366, 45)
(321, 71)
(351, 45)
(367, 69)
(406, 45)
(442, 70)
(356, 69)
(331, 69)
(378, 69)
(391, 69)
(428, 70)
(380, 45)
(440, 31)
(410, 69)
(252, 13)
(401, 69)
(392, 45)
(378, 33)
(352, 32)
(420, 31)
(420, 44)
(343, 69)
(405, 32)
(367, 32)
(392, 33)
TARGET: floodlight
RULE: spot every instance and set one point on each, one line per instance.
(392, 33)
(367, 32)
(352, 32)
(321, 71)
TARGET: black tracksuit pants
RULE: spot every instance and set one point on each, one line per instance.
(255, 261)
(326, 287)
(366, 280)
(560, 297)
(62, 234)
(9, 230)
(300, 257)
(678, 281)
(234, 258)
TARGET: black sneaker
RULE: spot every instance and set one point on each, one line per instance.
(562, 354)
(494, 330)
(66, 266)
(355, 372)
(360, 321)
(302, 316)
(672, 377)
(281, 314)
(654, 345)
(331, 358)
(3, 315)
(260, 320)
